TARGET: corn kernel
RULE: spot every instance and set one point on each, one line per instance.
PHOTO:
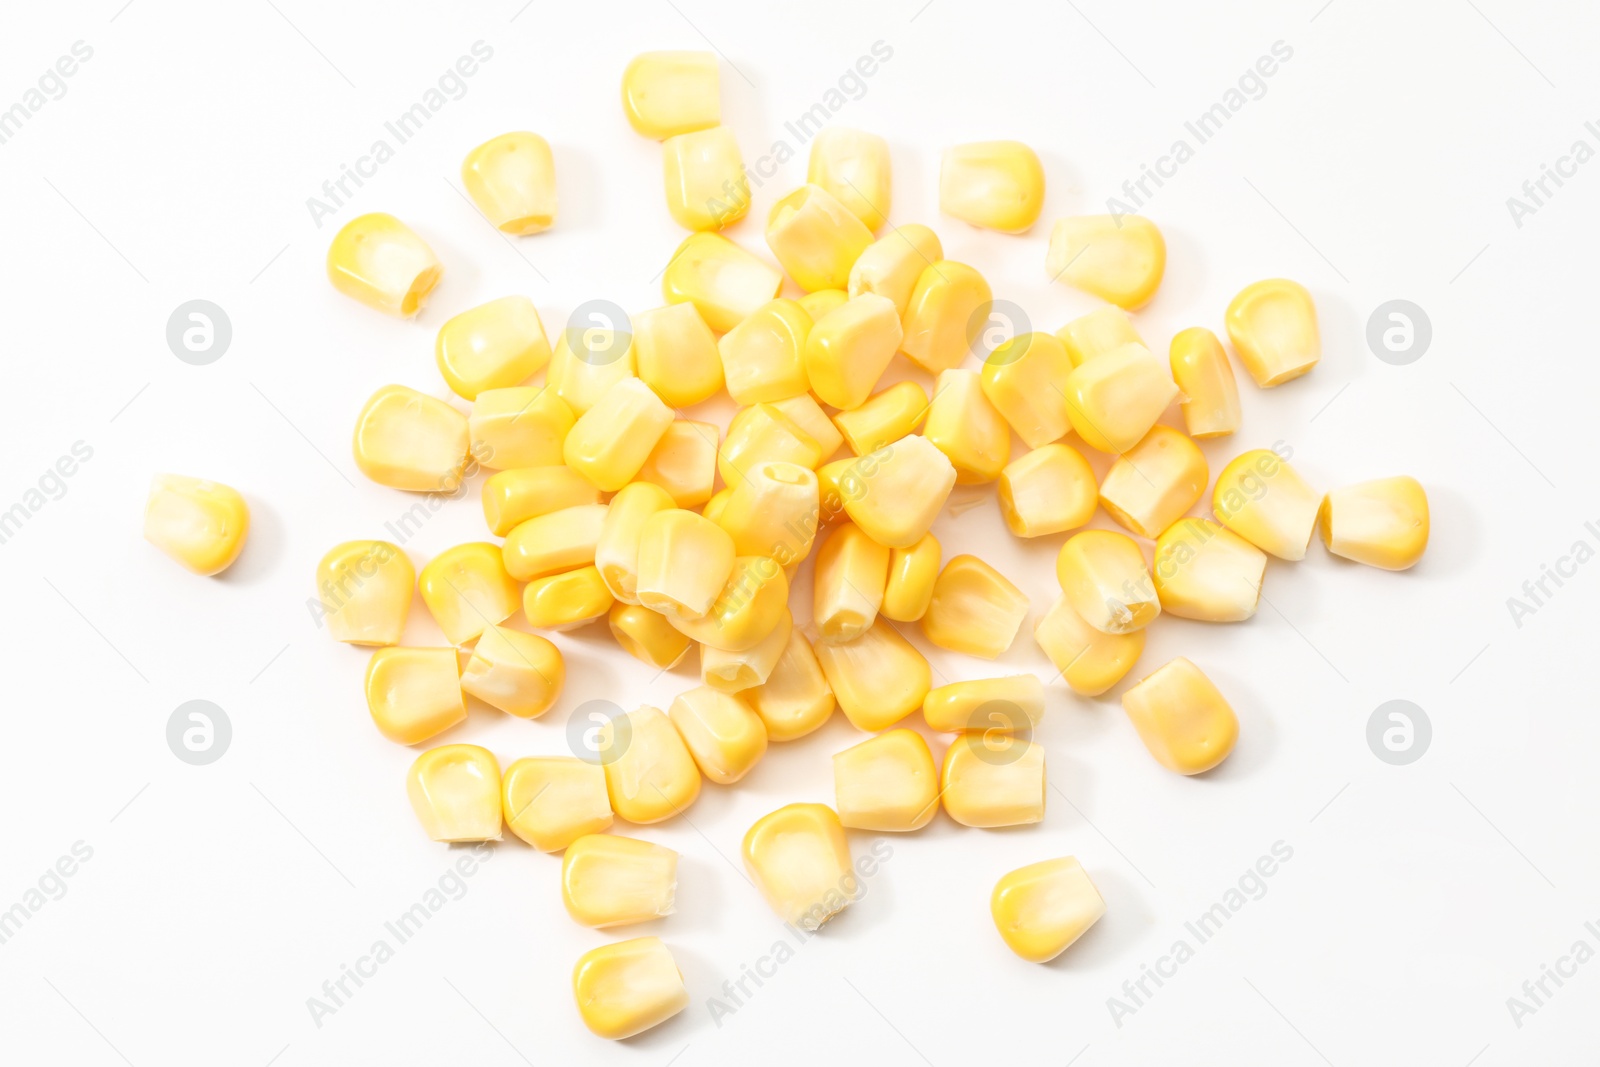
(650, 775)
(520, 673)
(684, 561)
(714, 506)
(647, 636)
(761, 356)
(200, 524)
(1090, 661)
(1004, 705)
(626, 988)
(723, 735)
(725, 283)
(834, 482)
(1041, 909)
(878, 678)
(903, 486)
(848, 583)
(947, 310)
(589, 360)
(804, 411)
(1273, 327)
(704, 176)
(684, 462)
(408, 440)
(1104, 578)
(1205, 378)
(1150, 486)
(467, 589)
(736, 672)
(549, 544)
(795, 698)
(610, 442)
(772, 512)
(749, 607)
(816, 238)
(492, 346)
(849, 348)
(616, 554)
(1265, 501)
(515, 496)
(1181, 717)
(524, 426)
(1026, 379)
(990, 778)
(1119, 259)
(552, 801)
(853, 166)
(1046, 491)
(965, 426)
(414, 693)
(512, 179)
(1115, 399)
(609, 880)
(998, 185)
(886, 783)
(1098, 332)
(378, 260)
(800, 860)
(912, 573)
(886, 416)
(566, 601)
(822, 301)
(668, 93)
(760, 435)
(1382, 523)
(365, 589)
(1207, 572)
(455, 792)
(974, 609)
(891, 265)
(675, 353)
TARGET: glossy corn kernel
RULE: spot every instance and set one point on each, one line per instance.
(684, 562)
(848, 583)
(965, 426)
(725, 283)
(609, 880)
(1207, 572)
(668, 93)
(567, 600)
(408, 440)
(1090, 661)
(1098, 332)
(524, 426)
(795, 698)
(947, 310)
(1265, 501)
(1042, 908)
(816, 238)
(455, 793)
(704, 178)
(587, 361)
(1120, 260)
(684, 462)
(616, 554)
(821, 302)
(379, 261)
(1104, 578)
(761, 356)
(1182, 719)
(903, 487)
(891, 265)
(849, 348)
(467, 590)
(853, 166)
(200, 524)
(515, 496)
(886, 783)
(555, 542)
(878, 678)
(835, 481)
(1273, 327)
(1381, 523)
(998, 185)
(414, 693)
(723, 735)
(492, 346)
(1026, 380)
(974, 609)
(1115, 399)
(750, 606)
(772, 511)
(886, 416)
(650, 775)
(912, 574)
(1004, 705)
(761, 435)
(736, 672)
(1046, 491)
(552, 801)
(798, 857)
(991, 778)
(675, 353)
(610, 442)
(627, 987)
(520, 673)
(647, 636)
(1150, 486)
(1201, 370)
(804, 411)
(365, 592)
(512, 179)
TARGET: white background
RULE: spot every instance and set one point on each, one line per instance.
(219, 898)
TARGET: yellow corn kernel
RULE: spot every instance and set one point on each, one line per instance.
(512, 179)
(886, 416)
(849, 348)
(848, 583)
(761, 356)
(1046, 491)
(684, 562)
(736, 672)
(725, 283)
(1273, 327)
(1151, 485)
(886, 783)
(1207, 572)
(912, 573)
(1181, 717)
(647, 636)
(379, 261)
(834, 481)
(1115, 399)
(760, 435)
(552, 801)
(200, 524)
(408, 440)
(821, 302)
(520, 673)
(1381, 523)
(515, 496)
(800, 860)
(749, 607)
(878, 678)
(675, 354)
(650, 775)
(668, 93)
(684, 462)
(795, 698)
(974, 609)
(616, 554)
(1042, 908)
(1104, 578)
(566, 601)
(1120, 260)
(965, 426)
(853, 166)
(804, 411)
(723, 735)
(1096, 333)
(991, 778)
(365, 592)
(609, 880)
(891, 265)
(610, 442)
(1265, 501)
(998, 185)
(414, 693)
(625, 988)
(1205, 378)
(947, 310)
(1090, 661)
(524, 426)
(555, 542)
(492, 346)
(772, 512)
(1003, 705)
(718, 501)
(455, 792)
(467, 589)
(589, 360)
(705, 181)
(816, 238)
(902, 488)
(1026, 380)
